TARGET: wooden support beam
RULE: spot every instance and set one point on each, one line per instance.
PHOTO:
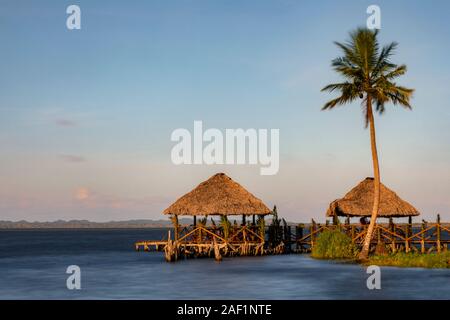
(352, 234)
(313, 233)
(422, 237)
(176, 227)
(392, 230)
(408, 235)
(438, 233)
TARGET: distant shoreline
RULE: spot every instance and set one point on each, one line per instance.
(125, 224)
(84, 224)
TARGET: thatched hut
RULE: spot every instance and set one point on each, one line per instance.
(358, 202)
(219, 195)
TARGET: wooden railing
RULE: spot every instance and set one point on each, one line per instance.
(207, 241)
(424, 238)
(247, 239)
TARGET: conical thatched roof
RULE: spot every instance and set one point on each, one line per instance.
(219, 195)
(359, 201)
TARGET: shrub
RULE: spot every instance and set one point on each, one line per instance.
(401, 259)
(333, 245)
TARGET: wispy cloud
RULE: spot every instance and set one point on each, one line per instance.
(72, 158)
(92, 199)
(82, 193)
(65, 122)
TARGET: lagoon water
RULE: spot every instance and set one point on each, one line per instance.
(33, 266)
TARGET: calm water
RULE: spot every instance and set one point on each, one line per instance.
(33, 265)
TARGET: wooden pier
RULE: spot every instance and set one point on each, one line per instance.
(392, 237)
(223, 198)
(218, 197)
(201, 241)
(251, 240)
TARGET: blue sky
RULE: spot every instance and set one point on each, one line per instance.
(86, 115)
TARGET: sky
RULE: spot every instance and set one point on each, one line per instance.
(86, 115)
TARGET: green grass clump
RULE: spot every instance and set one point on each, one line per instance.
(333, 244)
(418, 260)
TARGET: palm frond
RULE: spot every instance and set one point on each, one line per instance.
(368, 72)
(383, 64)
(397, 72)
(349, 92)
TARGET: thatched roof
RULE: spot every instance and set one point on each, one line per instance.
(359, 201)
(219, 195)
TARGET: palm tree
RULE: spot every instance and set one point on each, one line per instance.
(369, 75)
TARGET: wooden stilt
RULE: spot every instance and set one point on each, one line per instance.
(313, 235)
(392, 228)
(168, 250)
(176, 227)
(288, 238)
(422, 237)
(352, 232)
(438, 233)
(378, 235)
(408, 235)
(335, 220)
(217, 254)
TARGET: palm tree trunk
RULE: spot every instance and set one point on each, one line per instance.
(376, 194)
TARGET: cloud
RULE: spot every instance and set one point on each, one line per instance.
(65, 122)
(82, 194)
(72, 158)
(94, 200)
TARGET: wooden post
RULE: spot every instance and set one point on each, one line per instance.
(422, 237)
(168, 248)
(336, 220)
(243, 220)
(409, 226)
(313, 236)
(217, 254)
(288, 238)
(408, 235)
(352, 234)
(438, 233)
(299, 231)
(392, 227)
(378, 235)
(176, 227)
(254, 220)
(195, 221)
(380, 248)
(298, 235)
